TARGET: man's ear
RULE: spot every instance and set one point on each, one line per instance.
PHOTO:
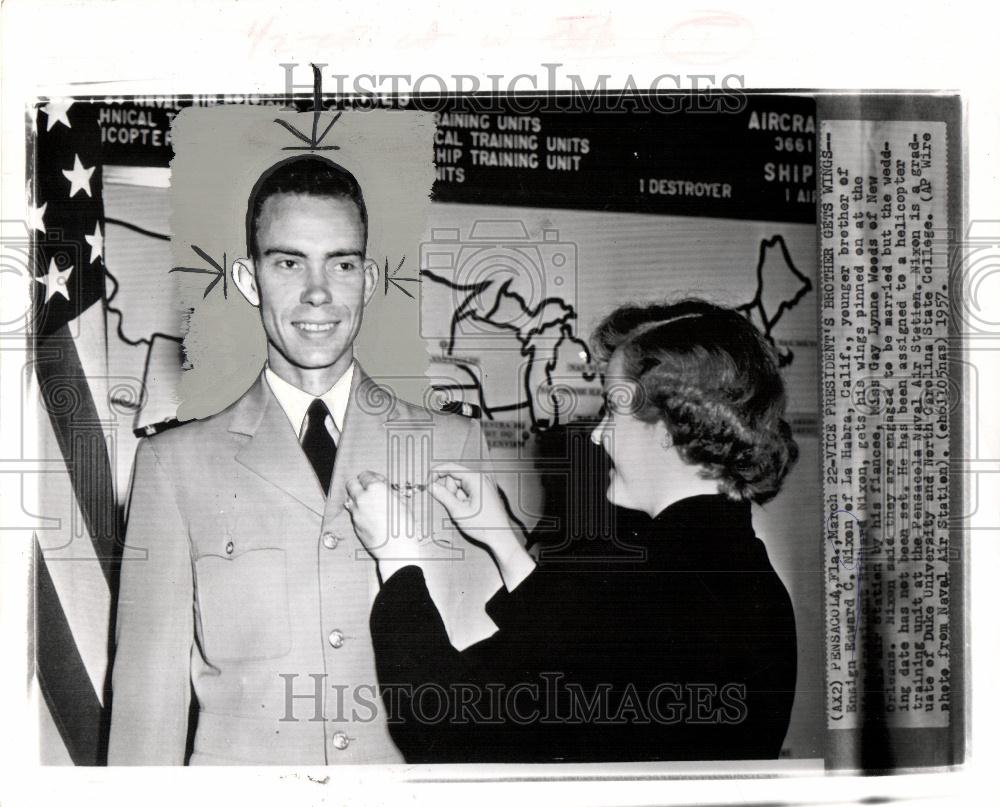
(371, 279)
(246, 280)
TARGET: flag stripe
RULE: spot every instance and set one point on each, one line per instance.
(74, 569)
(66, 396)
(73, 698)
(72, 702)
(51, 748)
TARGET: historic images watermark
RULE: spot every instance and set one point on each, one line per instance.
(547, 700)
(547, 89)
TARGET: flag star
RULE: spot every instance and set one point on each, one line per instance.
(56, 111)
(79, 177)
(36, 217)
(96, 242)
(56, 281)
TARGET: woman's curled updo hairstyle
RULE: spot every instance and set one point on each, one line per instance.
(713, 378)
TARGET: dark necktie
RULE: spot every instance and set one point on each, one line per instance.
(318, 444)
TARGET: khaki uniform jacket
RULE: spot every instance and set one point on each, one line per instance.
(242, 584)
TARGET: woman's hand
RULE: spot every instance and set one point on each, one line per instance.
(472, 500)
(388, 524)
(475, 506)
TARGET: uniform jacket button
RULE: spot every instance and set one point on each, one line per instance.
(230, 546)
(329, 540)
(341, 741)
(336, 638)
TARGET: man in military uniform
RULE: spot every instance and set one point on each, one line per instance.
(254, 595)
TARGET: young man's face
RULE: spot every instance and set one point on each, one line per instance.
(313, 283)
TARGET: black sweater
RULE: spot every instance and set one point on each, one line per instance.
(689, 654)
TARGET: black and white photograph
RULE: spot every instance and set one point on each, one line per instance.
(570, 531)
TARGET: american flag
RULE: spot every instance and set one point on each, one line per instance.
(77, 548)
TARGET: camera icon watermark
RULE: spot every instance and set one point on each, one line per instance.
(975, 270)
(499, 281)
(36, 273)
(974, 286)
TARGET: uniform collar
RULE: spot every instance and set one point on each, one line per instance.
(295, 402)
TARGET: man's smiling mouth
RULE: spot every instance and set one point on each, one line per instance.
(315, 327)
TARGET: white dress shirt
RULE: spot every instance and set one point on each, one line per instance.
(296, 402)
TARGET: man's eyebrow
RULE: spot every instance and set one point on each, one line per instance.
(284, 251)
(298, 253)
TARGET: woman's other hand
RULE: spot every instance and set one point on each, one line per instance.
(476, 507)
(389, 525)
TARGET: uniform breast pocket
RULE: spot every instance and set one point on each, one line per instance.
(243, 604)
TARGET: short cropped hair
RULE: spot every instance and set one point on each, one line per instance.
(308, 175)
(713, 379)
